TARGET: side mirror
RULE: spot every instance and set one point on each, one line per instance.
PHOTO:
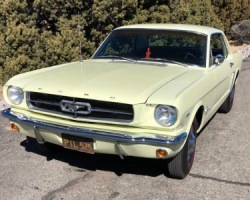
(218, 59)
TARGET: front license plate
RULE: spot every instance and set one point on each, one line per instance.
(78, 143)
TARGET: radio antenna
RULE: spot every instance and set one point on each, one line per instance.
(80, 41)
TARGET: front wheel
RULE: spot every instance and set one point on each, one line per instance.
(181, 164)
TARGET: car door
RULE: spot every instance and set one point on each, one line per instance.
(221, 65)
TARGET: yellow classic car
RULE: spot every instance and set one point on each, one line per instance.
(146, 92)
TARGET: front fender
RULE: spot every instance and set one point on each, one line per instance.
(196, 112)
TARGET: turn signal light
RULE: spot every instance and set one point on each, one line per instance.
(14, 127)
(161, 153)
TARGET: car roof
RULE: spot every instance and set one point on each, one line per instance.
(181, 27)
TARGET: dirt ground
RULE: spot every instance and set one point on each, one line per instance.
(3, 103)
(1, 92)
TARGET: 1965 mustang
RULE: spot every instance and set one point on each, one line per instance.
(146, 92)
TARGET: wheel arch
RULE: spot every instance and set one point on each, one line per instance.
(236, 77)
(198, 114)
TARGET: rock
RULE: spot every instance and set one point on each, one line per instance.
(241, 31)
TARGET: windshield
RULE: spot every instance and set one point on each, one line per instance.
(155, 45)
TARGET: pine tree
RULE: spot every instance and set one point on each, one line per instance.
(18, 38)
(231, 12)
(198, 12)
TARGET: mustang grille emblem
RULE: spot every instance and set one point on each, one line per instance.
(75, 107)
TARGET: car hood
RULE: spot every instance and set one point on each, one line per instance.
(117, 81)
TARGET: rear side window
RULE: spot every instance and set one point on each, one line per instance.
(217, 47)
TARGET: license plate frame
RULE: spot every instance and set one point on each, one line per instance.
(77, 143)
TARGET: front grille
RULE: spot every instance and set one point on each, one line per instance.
(101, 110)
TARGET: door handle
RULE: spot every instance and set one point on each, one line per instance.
(231, 64)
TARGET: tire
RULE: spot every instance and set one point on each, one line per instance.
(181, 164)
(228, 103)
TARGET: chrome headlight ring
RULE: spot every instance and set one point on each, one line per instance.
(165, 115)
(15, 95)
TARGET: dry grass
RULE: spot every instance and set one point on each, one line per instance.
(235, 46)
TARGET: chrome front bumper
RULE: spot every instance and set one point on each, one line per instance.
(117, 138)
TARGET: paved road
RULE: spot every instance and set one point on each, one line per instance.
(221, 169)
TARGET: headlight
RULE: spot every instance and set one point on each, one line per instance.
(165, 115)
(15, 95)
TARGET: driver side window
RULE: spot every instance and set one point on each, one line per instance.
(218, 51)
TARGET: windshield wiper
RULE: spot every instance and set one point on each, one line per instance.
(117, 57)
(164, 60)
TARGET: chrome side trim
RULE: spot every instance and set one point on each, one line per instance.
(94, 134)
